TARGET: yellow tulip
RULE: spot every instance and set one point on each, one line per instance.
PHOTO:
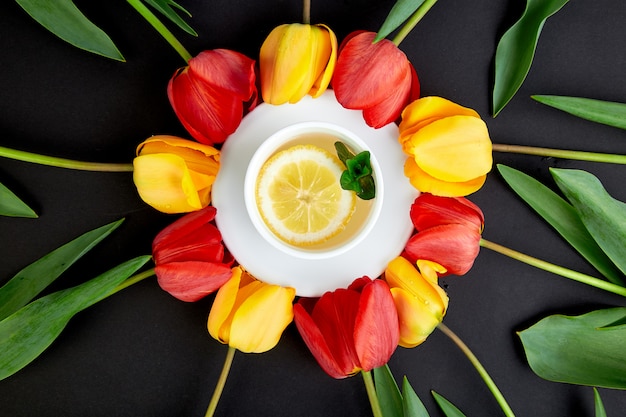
(448, 146)
(420, 301)
(296, 60)
(175, 175)
(250, 315)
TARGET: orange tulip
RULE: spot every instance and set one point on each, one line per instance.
(374, 77)
(211, 95)
(296, 60)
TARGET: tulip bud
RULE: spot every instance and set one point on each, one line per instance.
(296, 60)
(448, 146)
(189, 256)
(175, 175)
(250, 315)
(374, 77)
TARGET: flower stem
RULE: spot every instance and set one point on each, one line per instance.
(133, 280)
(217, 393)
(555, 269)
(480, 368)
(62, 162)
(561, 153)
(371, 393)
(306, 12)
(413, 20)
(160, 27)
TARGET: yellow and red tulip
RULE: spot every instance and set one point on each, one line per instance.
(296, 60)
(212, 93)
(420, 301)
(250, 315)
(189, 257)
(175, 175)
(448, 146)
(448, 232)
(350, 330)
(374, 77)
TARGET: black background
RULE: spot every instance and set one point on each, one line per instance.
(144, 353)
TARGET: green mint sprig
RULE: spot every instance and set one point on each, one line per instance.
(358, 174)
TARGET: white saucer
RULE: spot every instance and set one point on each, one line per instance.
(311, 277)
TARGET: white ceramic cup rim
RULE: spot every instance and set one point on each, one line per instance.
(268, 147)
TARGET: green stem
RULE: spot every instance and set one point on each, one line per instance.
(561, 153)
(62, 162)
(217, 393)
(413, 20)
(480, 368)
(555, 269)
(160, 27)
(133, 280)
(306, 12)
(371, 393)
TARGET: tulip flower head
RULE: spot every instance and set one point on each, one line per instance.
(448, 232)
(250, 315)
(175, 175)
(189, 256)
(374, 77)
(420, 301)
(448, 146)
(211, 95)
(296, 60)
(350, 330)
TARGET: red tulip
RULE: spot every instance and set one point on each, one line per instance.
(211, 95)
(374, 77)
(448, 232)
(349, 330)
(189, 256)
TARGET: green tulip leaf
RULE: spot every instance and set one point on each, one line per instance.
(449, 409)
(12, 206)
(166, 8)
(63, 18)
(30, 281)
(578, 350)
(25, 334)
(400, 12)
(516, 49)
(388, 392)
(600, 411)
(599, 111)
(603, 216)
(412, 406)
(564, 218)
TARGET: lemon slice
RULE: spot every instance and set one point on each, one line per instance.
(300, 198)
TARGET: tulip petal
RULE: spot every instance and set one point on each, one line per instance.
(428, 109)
(416, 321)
(330, 50)
(429, 210)
(199, 157)
(388, 110)
(428, 184)
(201, 244)
(164, 182)
(191, 281)
(453, 246)
(261, 319)
(181, 227)
(227, 70)
(455, 149)
(376, 332)
(315, 341)
(223, 306)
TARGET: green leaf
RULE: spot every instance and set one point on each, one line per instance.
(27, 333)
(516, 49)
(30, 281)
(563, 217)
(63, 18)
(12, 206)
(603, 216)
(605, 112)
(446, 406)
(577, 350)
(600, 411)
(387, 392)
(412, 406)
(400, 12)
(166, 8)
